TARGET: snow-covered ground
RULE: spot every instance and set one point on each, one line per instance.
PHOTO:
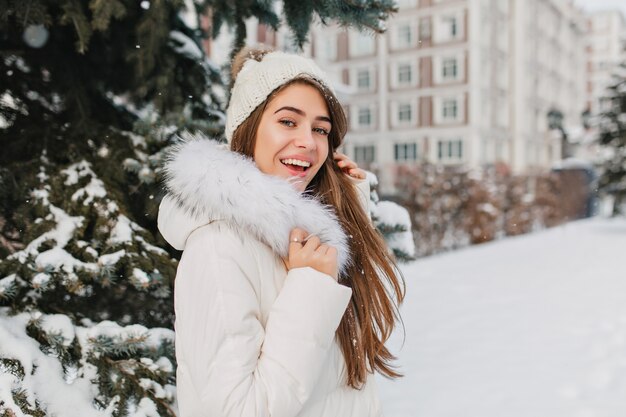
(532, 326)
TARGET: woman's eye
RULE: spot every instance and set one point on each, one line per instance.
(286, 122)
(321, 131)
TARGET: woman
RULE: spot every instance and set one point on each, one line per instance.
(284, 290)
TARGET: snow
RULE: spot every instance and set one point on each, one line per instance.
(530, 326)
(489, 208)
(141, 277)
(111, 258)
(137, 140)
(390, 213)
(573, 163)
(157, 336)
(146, 408)
(6, 385)
(151, 248)
(70, 395)
(58, 259)
(164, 364)
(41, 194)
(91, 251)
(6, 283)
(104, 151)
(115, 331)
(122, 232)
(59, 324)
(61, 234)
(46, 381)
(40, 280)
(187, 46)
(7, 100)
(372, 179)
(95, 187)
(149, 384)
(188, 14)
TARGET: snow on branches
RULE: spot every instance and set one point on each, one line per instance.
(48, 366)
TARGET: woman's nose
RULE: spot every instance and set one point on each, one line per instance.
(304, 138)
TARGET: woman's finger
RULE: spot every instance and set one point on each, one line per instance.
(297, 234)
(343, 159)
(358, 173)
(323, 248)
(347, 166)
(296, 239)
(312, 243)
(339, 155)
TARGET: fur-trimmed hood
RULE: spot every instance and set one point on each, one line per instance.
(206, 181)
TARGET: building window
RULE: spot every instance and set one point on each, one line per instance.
(364, 154)
(450, 109)
(425, 29)
(450, 150)
(330, 47)
(365, 117)
(405, 74)
(363, 81)
(448, 27)
(404, 35)
(452, 28)
(362, 44)
(449, 69)
(405, 113)
(405, 151)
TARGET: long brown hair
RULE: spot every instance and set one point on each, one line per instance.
(377, 283)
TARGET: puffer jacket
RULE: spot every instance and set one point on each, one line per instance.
(253, 339)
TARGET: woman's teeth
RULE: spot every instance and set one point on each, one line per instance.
(296, 162)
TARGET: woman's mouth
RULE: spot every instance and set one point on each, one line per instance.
(296, 167)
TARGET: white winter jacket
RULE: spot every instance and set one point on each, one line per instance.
(253, 339)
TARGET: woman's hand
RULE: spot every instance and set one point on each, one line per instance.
(348, 166)
(312, 253)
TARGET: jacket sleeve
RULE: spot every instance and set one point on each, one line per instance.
(233, 366)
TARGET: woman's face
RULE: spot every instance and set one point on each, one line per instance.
(292, 138)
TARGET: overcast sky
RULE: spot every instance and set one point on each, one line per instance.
(603, 5)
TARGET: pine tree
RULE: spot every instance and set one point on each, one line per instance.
(612, 136)
(393, 222)
(92, 93)
(299, 15)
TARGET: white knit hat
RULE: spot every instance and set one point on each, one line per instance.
(256, 81)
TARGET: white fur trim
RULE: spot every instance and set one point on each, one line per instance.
(206, 182)
(256, 81)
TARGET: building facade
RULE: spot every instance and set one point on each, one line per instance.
(548, 72)
(460, 82)
(606, 49)
(453, 82)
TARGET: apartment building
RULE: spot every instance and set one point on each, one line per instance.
(461, 82)
(453, 82)
(548, 72)
(606, 49)
(411, 88)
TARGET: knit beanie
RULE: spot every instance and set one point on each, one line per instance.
(258, 79)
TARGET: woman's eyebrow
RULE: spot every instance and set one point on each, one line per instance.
(301, 113)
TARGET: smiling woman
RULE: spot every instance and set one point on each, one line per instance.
(285, 294)
(292, 136)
